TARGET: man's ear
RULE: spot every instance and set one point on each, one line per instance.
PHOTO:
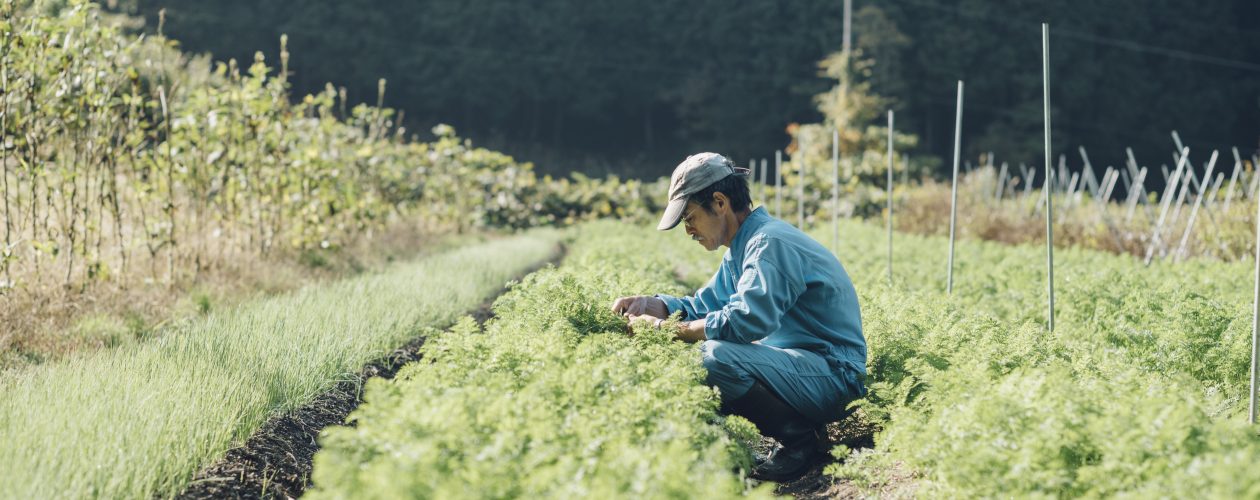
(720, 200)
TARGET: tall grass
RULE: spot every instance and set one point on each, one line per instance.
(140, 421)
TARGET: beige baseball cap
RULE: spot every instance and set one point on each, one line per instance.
(697, 172)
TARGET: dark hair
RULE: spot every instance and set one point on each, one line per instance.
(734, 186)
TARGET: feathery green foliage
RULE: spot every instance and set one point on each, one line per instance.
(1140, 390)
(551, 398)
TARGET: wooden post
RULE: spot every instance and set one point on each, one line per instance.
(1045, 73)
(953, 199)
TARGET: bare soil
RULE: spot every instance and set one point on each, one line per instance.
(854, 432)
(276, 461)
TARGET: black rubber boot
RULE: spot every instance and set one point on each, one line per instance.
(799, 440)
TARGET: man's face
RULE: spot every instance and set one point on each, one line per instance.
(703, 227)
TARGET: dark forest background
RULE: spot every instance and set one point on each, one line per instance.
(629, 87)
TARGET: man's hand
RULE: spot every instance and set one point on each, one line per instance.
(640, 305)
(646, 319)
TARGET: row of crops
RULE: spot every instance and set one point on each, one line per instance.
(1139, 391)
(551, 399)
(139, 421)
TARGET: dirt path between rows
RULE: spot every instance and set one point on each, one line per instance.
(276, 461)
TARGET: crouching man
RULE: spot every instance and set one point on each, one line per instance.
(779, 321)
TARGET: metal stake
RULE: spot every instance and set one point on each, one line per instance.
(1045, 72)
(953, 198)
(778, 184)
(890, 195)
(835, 189)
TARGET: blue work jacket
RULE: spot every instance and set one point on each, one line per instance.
(779, 286)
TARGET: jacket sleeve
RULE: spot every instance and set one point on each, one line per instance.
(698, 305)
(770, 282)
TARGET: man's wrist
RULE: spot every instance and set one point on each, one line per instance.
(659, 322)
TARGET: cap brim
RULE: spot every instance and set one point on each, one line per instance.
(673, 214)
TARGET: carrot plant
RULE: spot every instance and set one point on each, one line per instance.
(1140, 390)
(551, 398)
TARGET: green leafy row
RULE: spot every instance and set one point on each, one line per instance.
(139, 421)
(551, 398)
(1139, 391)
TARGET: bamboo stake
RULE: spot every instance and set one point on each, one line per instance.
(953, 199)
(1045, 73)
(1233, 179)
(778, 184)
(1194, 212)
(890, 195)
(1163, 211)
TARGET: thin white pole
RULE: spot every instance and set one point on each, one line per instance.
(752, 177)
(1215, 192)
(778, 184)
(1194, 212)
(848, 26)
(1163, 211)
(1233, 179)
(1045, 73)
(1193, 178)
(890, 195)
(1087, 176)
(1032, 177)
(1001, 183)
(800, 186)
(1255, 322)
(835, 190)
(762, 189)
(953, 199)
(1134, 191)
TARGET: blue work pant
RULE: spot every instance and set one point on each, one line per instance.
(803, 379)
